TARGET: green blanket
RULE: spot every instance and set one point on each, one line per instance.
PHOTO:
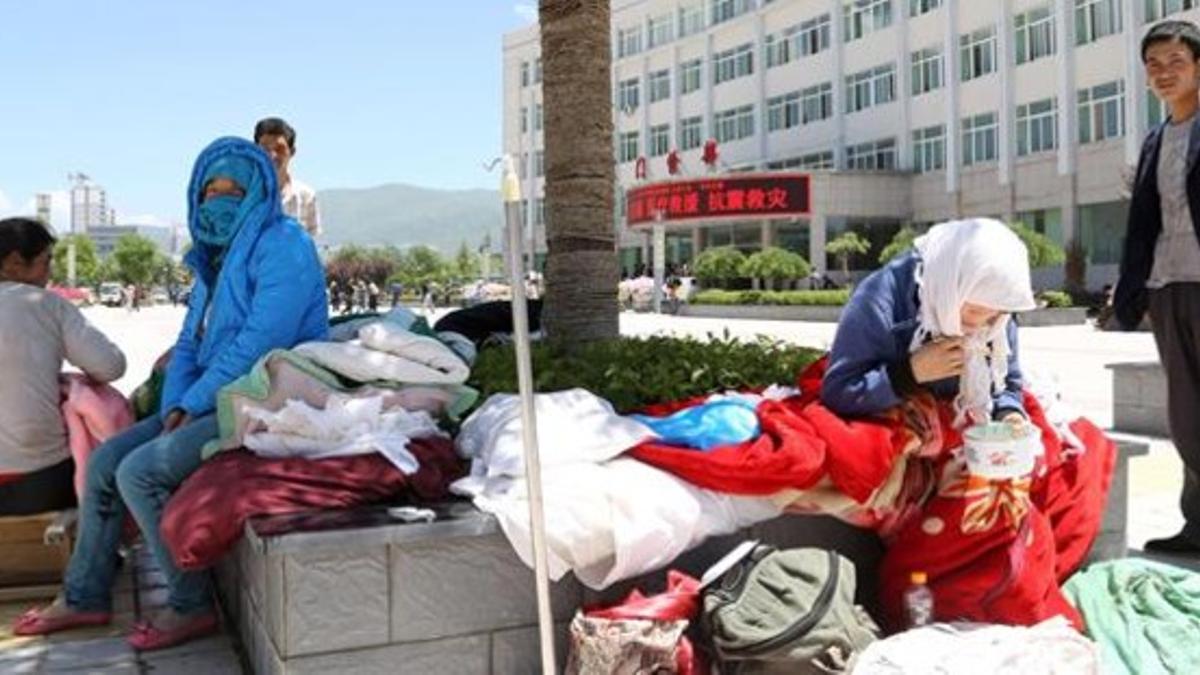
(1145, 615)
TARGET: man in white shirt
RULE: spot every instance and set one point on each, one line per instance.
(278, 138)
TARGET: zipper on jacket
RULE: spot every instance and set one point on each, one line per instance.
(803, 625)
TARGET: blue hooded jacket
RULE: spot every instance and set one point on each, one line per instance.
(864, 376)
(268, 291)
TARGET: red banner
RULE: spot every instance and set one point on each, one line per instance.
(736, 196)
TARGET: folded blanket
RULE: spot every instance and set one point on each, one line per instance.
(207, 515)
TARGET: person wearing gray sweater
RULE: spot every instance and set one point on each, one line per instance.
(38, 331)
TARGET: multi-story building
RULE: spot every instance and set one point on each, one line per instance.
(89, 205)
(105, 237)
(1027, 110)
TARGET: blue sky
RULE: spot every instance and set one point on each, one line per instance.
(130, 91)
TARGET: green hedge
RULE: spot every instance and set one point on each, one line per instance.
(632, 373)
(833, 298)
(1056, 298)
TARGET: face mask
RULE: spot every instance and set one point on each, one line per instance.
(219, 220)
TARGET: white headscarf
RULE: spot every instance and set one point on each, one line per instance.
(983, 262)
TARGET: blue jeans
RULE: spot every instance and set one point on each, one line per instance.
(137, 469)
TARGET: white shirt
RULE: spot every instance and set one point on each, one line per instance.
(1177, 252)
(300, 202)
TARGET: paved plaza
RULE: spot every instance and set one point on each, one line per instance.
(1074, 356)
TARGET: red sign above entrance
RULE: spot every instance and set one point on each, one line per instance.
(735, 196)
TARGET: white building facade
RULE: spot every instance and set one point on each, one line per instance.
(1027, 110)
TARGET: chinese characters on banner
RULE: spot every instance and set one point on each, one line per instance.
(731, 196)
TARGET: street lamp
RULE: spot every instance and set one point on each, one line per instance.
(660, 258)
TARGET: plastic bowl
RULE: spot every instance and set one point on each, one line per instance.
(993, 451)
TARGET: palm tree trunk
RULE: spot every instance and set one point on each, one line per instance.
(581, 265)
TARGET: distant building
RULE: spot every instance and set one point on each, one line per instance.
(105, 237)
(89, 205)
(44, 201)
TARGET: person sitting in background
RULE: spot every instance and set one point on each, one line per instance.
(259, 286)
(39, 330)
(278, 138)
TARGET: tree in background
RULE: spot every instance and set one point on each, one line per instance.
(721, 264)
(581, 265)
(136, 260)
(466, 263)
(901, 242)
(87, 262)
(775, 265)
(1043, 251)
(848, 244)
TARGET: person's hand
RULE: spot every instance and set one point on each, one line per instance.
(938, 360)
(1018, 423)
(176, 419)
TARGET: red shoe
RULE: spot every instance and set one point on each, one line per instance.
(147, 637)
(33, 623)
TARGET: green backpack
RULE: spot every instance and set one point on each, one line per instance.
(786, 612)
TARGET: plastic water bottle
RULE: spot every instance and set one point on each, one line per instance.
(918, 601)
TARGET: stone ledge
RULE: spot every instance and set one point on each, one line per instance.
(1061, 316)
(1140, 398)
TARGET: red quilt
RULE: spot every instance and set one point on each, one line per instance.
(206, 516)
(993, 551)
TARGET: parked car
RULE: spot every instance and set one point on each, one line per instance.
(111, 294)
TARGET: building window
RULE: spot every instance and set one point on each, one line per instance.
(1095, 19)
(539, 164)
(813, 36)
(689, 76)
(1034, 34)
(627, 147)
(691, 20)
(524, 120)
(628, 95)
(537, 117)
(873, 156)
(1156, 110)
(724, 10)
(778, 47)
(523, 166)
(537, 70)
(871, 87)
(659, 85)
(817, 161)
(929, 149)
(816, 103)
(524, 74)
(783, 112)
(1037, 125)
(629, 41)
(691, 133)
(660, 140)
(733, 63)
(979, 139)
(734, 124)
(919, 7)
(862, 17)
(1157, 9)
(926, 70)
(1102, 112)
(978, 53)
(539, 212)
(660, 30)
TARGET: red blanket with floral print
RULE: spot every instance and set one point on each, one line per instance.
(993, 551)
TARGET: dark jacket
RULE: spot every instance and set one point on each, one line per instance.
(1145, 224)
(869, 368)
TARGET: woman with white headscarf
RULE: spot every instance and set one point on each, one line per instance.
(937, 318)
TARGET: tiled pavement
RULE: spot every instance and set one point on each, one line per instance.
(103, 649)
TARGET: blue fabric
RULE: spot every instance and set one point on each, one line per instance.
(707, 426)
(135, 470)
(268, 292)
(219, 219)
(1130, 300)
(875, 330)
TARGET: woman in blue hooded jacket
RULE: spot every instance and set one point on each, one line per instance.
(259, 286)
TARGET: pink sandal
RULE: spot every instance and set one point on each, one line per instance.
(33, 623)
(147, 637)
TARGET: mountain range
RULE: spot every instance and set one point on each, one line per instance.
(407, 215)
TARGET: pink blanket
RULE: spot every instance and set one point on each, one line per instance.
(93, 413)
